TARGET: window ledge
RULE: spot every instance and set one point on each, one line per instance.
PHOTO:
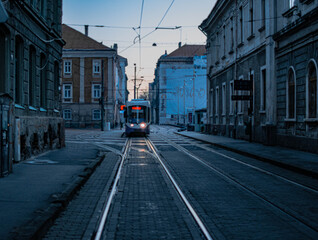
(240, 45)
(19, 106)
(251, 37)
(262, 111)
(56, 111)
(306, 1)
(311, 120)
(290, 119)
(290, 12)
(240, 113)
(217, 62)
(231, 51)
(43, 110)
(262, 28)
(224, 57)
(32, 108)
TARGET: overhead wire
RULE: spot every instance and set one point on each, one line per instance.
(156, 28)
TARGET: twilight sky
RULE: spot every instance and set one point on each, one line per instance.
(120, 17)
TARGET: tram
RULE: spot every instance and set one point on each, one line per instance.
(137, 115)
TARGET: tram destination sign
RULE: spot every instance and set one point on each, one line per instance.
(243, 85)
(242, 97)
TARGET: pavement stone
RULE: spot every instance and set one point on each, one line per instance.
(298, 161)
(40, 187)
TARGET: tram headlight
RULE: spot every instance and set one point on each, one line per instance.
(143, 125)
(131, 125)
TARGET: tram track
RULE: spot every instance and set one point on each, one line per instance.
(153, 152)
(306, 224)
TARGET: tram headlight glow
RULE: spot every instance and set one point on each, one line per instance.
(143, 125)
(131, 125)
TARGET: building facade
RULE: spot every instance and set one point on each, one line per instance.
(30, 54)
(181, 78)
(296, 76)
(94, 81)
(272, 45)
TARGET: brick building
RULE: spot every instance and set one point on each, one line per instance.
(82, 85)
(30, 53)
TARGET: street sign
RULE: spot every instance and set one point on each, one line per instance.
(242, 97)
(243, 85)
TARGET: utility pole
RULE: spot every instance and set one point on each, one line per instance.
(184, 114)
(102, 99)
(135, 82)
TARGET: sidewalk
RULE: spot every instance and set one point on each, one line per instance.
(39, 188)
(298, 161)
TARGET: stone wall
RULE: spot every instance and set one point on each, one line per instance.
(40, 134)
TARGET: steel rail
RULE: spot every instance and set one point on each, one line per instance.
(181, 194)
(235, 181)
(112, 193)
(250, 166)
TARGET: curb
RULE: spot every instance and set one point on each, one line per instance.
(261, 158)
(39, 225)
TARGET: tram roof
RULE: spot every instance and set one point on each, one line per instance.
(140, 102)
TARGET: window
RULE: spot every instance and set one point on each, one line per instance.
(67, 67)
(32, 75)
(312, 90)
(211, 102)
(96, 114)
(224, 42)
(240, 103)
(67, 114)
(96, 90)
(263, 13)
(56, 82)
(43, 81)
(291, 94)
(217, 47)
(67, 91)
(232, 34)
(231, 94)
(18, 70)
(96, 67)
(217, 101)
(291, 3)
(241, 25)
(263, 89)
(224, 99)
(251, 18)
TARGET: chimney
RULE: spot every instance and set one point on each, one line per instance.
(115, 47)
(86, 30)
(179, 44)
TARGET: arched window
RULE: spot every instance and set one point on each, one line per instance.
(291, 94)
(19, 70)
(4, 53)
(43, 81)
(56, 83)
(312, 90)
(32, 75)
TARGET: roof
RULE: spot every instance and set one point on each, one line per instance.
(189, 51)
(77, 40)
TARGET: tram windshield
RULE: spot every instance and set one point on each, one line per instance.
(137, 114)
